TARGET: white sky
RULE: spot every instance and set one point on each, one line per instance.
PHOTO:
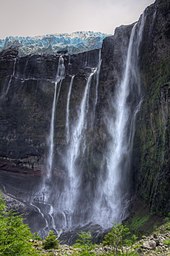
(39, 17)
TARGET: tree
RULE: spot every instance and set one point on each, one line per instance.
(118, 237)
(84, 243)
(84, 239)
(14, 234)
(51, 241)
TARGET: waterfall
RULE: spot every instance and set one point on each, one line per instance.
(59, 78)
(77, 134)
(85, 133)
(112, 195)
(68, 110)
(76, 141)
(47, 211)
(97, 77)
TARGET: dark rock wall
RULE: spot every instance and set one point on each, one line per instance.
(151, 156)
(25, 109)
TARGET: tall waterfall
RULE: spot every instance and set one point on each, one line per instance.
(97, 76)
(59, 78)
(112, 196)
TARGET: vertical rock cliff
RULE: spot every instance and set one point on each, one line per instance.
(152, 141)
(67, 126)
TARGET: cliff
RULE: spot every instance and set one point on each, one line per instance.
(26, 96)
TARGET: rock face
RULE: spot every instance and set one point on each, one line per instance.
(152, 140)
(27, 88)
(26, 96)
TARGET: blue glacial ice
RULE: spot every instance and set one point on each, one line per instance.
(49, 44)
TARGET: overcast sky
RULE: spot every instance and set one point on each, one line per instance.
(39, 17)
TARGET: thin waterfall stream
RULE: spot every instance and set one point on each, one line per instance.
(97, 77)
(68, 110)
(59, 78)
(77, 130)
(45, 190)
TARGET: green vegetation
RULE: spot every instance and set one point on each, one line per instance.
(84, 238)
(167, 242)
(84, 243)
(119, 237)
(153, 135)
(36, 237)
(51, 241)
(17, 240)
(138, 222)
(14, 234)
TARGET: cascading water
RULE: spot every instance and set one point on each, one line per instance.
(89, 182)
(76, 138)
(78, 129)
(44, 205)
(97, 77)
(59, 77)
(68, 110)
(110, 205)
(46, 186)
(111, 196)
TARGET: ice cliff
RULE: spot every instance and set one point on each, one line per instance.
(49, 44)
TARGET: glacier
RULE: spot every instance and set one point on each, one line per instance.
(73, 43)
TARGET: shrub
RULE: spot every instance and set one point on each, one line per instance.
(118, 237)
(84, 238)
(84, 242)
(14, 234)
(51, 241)
(36, 236)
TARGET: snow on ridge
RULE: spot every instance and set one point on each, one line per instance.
(73, 43)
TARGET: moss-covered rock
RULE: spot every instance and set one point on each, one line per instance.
(152, 140)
